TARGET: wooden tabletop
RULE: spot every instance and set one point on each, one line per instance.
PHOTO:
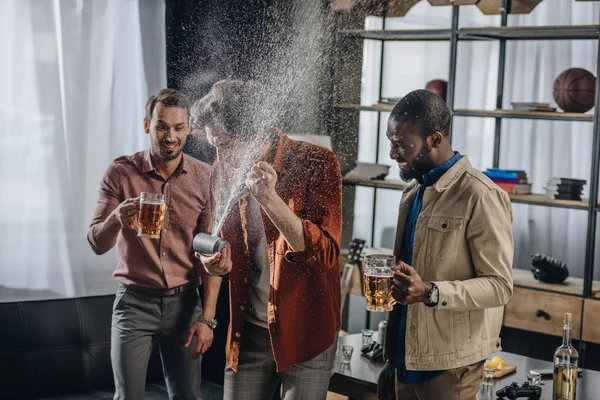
(358, 380)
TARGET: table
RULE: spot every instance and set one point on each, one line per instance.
(358, 380)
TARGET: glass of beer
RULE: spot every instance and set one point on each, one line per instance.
(378, 281)
(152, 214)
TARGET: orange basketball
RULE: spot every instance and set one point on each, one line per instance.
(574, 90)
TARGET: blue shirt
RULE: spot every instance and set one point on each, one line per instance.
(397, 352)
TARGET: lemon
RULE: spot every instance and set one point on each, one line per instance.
(498, 361)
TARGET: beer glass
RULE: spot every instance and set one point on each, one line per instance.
(152, 214)
(378, 281)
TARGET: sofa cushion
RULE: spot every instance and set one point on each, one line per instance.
(60, 347)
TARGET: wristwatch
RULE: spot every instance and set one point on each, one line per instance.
(211, 323)
(433, 296)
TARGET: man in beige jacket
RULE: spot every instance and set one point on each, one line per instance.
(454, 249)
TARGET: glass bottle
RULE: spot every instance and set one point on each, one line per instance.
(486, 390)
(565, 365)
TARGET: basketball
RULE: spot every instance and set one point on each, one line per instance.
(438, 86)
(574, 90)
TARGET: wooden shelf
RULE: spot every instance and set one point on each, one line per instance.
(542, 200)
(359, 107)
(561, 32)
(557, 116)
(400, 35)
(524, 278)
(376, 183)
(532, 199)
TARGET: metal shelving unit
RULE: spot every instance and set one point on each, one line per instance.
(502, 34)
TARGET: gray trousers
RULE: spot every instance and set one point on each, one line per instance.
(139, 319)
(258, 379)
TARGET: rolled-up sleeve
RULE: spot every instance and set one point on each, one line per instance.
(109, 197)
(490, 237)
(322, 220)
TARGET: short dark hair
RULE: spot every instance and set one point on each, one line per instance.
(169, 98)
(232, 104)
(425, 110)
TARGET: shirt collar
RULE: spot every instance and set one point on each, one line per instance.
(147, 166)
(436, 173)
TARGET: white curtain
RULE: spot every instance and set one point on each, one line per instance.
(542, 148)
(74, 78)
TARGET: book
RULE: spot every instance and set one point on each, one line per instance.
(566, 181)
(515, 188)
(517, 171)
(495, 173)
(565, 189)
(508, 180)
(564, 197)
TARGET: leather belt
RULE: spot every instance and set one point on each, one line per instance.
(166, 292)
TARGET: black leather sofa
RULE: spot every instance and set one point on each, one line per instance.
(60, 349)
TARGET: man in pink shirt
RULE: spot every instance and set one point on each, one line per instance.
(158, 297)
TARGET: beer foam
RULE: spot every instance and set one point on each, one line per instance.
(152, 202)
(380, 274)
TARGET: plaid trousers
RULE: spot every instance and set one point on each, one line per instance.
(258, 379)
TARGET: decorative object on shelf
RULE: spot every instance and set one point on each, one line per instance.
(574, 90)
(548, 269)
(399, 8)
(364, 171)
(514, 181)
(452, 2)
(532, 107)
(438, 86)
(494, 7)
(564, 188)
(395, 8)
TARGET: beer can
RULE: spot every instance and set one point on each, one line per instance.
(208, 244)
(381, 328)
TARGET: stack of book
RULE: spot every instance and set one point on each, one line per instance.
(532, 107)
(565, 188)
(511, 180)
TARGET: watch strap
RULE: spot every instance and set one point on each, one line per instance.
(430, 301)
(211, 323)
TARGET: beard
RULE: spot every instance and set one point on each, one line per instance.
(421, 165)
(170, 156)
(166, 154)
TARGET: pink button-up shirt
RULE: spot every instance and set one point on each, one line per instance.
(169, 261)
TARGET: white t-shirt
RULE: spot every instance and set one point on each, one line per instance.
(260, 275)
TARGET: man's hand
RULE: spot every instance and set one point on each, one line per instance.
(261, 182)
(217, 264)
(409, 288)
(127, 212)
(204, 338)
